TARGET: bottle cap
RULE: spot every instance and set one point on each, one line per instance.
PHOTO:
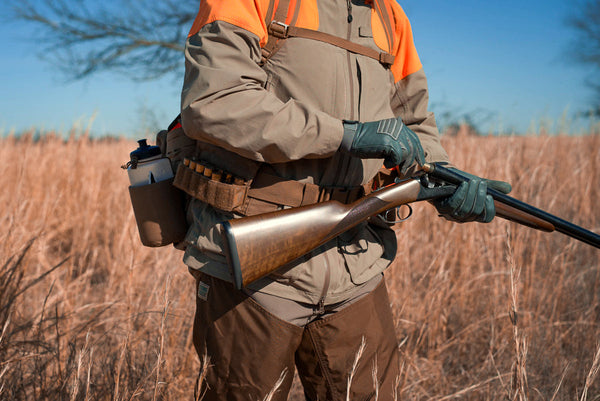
(144, 151)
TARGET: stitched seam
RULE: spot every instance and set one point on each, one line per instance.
(346, 310)
(268, 314)
(257, 30)
(321, 358)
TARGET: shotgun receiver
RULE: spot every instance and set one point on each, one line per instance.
(257, 245)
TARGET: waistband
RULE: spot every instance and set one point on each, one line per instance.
(266, 192)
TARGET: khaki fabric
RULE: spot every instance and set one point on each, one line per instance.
(410, 103)
(248, 350)
(288, 114)
(300, 313)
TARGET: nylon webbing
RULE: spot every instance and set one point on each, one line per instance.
(292, 31)
(278, 31)
(280, 15)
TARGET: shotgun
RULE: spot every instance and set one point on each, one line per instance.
(257, 245)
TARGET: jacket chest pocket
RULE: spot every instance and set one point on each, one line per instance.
(365, 31)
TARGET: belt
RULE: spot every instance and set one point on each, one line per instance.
(266, 192)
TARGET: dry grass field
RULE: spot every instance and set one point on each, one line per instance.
(483, 312)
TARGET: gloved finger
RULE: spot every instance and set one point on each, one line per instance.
(465, 209)
(480, 199)
(490, 210)
(452, 202)
(405, 159)
(501, 186)
(412, 151)
(417, 152)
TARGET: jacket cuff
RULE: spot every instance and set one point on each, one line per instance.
(350, 128)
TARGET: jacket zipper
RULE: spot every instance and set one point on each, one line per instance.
(344, 162)
(349, 59)
(321, 305)
(349, 5)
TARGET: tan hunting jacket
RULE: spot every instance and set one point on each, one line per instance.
(286, 116)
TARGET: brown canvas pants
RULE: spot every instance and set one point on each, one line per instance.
(251, 353)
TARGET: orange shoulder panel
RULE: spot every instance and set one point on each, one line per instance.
(407, 59)
(251, 15)
(246, 14)
(379, 35)
(308, 15)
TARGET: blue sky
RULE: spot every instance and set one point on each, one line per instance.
(504, 63)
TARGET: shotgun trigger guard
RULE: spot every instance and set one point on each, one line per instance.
(389, 218)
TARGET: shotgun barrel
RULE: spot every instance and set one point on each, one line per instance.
(547, 221)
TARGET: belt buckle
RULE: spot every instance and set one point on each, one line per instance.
(279, 29)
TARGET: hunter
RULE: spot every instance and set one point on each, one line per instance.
(303, 102)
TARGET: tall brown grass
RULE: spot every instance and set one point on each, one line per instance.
(483, 312)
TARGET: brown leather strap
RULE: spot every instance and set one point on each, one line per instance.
(271, 46)
(268, 191)
(343, 195)
(284, 31)
(271, 188)
(278, 31)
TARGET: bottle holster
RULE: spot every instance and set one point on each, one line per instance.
(159, 210)
(159, 207)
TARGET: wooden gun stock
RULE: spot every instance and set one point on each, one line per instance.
(257, 245)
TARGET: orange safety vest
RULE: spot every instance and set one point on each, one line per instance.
(273, 21)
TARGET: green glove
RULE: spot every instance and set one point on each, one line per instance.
(388, 139)
(470, 201)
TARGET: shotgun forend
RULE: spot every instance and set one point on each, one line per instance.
(518, 211)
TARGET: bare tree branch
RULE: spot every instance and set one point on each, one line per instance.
(144, 39)
(585, 48)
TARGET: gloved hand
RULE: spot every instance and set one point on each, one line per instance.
(470, 201)
(388, 139)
